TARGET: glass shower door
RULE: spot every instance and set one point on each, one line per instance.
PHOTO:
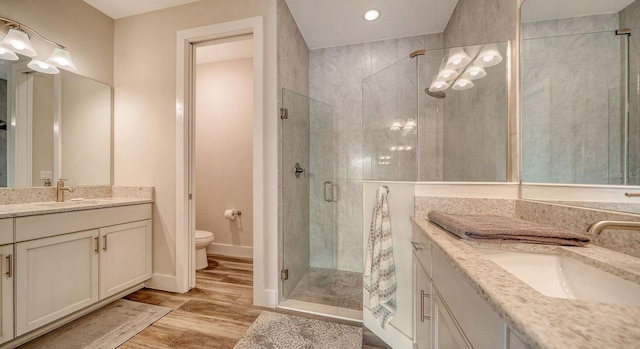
(309, 192)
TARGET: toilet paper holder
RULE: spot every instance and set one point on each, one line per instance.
(232, 214)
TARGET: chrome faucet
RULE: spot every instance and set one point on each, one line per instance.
(597, 228)
(60, 190)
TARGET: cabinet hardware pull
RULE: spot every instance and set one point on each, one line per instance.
(104, 248)
(9, 272)
(417, 247)
(423, 295)
(97, 245)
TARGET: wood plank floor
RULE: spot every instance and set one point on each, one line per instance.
(215, 314)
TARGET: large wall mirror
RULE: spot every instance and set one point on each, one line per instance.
(579, 86)
(53, 126)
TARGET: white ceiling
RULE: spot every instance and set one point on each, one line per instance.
(224, 52)
(124, 8)
(326, 23)
(538, 10)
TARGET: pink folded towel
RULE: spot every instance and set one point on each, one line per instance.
(500, 229)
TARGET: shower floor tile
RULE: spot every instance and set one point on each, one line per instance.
(337, 288)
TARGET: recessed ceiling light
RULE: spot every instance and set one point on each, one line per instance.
(371, 15)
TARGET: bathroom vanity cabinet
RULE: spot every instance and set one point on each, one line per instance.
(448, 312)
(6, 292)
(66, 264)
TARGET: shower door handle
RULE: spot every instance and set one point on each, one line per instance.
(328, 187)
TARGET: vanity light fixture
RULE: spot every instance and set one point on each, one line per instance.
(396, 126)
(462, 84)
(371, 15)
(458, 58)
(438, 85)
(488, 57)
(410, 125)
(474, 73)
(447, 74)
(8, 55)
(42, 67)
(17, 41)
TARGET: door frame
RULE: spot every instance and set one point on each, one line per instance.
(185, 117)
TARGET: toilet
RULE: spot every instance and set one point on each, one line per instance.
(203, 240)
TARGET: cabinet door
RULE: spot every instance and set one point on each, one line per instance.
(125, 256)
(6, 292)
(446, 333)
(422, 307)
(55, 277)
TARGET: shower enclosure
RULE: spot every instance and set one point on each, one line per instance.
(310, 198)
(404, 134)
(575, 92)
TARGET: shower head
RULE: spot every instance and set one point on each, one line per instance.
(435, 94)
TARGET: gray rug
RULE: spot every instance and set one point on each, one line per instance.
(280, 331)
(105, 328)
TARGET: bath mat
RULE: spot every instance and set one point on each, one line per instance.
(280, 331)
(105, 328)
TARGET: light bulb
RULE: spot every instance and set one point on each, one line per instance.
(487, 58)
(408, 148)
(400, 148)
(393, 148)
(371, 15)
(18, 45)
(457, 61)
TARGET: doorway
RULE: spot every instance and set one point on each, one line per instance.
(222, 140)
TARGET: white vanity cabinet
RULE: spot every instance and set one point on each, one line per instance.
(422, 292)
(55, 276)
(6, 292)
(125, 256)
(66, 262)
(459, 317)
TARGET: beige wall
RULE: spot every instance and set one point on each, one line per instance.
(145, 116)
(224, 131)
(87, 32)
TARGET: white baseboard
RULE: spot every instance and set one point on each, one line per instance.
(265, 297)
(162, 282)
(231, 250)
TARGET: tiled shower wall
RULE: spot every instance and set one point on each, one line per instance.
(630, 18)
(571, 97)
(335, 78)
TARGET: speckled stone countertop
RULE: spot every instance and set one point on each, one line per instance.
(541, 321)
(38, 208)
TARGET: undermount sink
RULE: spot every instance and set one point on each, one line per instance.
(559, 276)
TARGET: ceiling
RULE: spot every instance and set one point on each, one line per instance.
(326, 23)
(538, 10)
(224, 52)
(124, 8)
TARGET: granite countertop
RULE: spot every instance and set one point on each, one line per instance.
(541, 321)
(39, 208)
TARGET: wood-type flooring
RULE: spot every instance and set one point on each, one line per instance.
(214, 314)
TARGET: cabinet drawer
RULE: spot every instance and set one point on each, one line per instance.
(37, 227)
(482, 326)
(6, 231)
(421, 249)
